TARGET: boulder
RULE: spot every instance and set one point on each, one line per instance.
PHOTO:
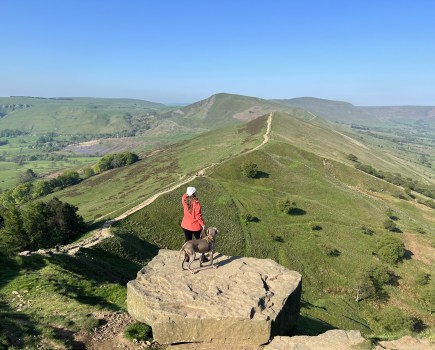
(336, 339)
(243, 301)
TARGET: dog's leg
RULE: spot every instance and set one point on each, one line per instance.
(186, 259)
(192, 258)
(211, 259)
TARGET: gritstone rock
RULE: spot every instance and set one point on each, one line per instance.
(331, 340)
(244, 300)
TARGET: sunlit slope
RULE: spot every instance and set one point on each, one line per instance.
(324, 236)
(337, 111)
(113, 192)
(333, 141)
(72, 115)
(225, 109)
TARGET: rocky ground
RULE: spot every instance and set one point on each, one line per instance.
(110, 335)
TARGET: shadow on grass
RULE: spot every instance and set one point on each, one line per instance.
(297, 211)
(68, 336)
(15, 327)
(261, 175)
(310, 326)
(407, 255)
(12, 266)
(308, 305)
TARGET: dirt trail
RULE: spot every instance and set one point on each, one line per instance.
(104, 232)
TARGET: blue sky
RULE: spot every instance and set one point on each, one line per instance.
(366, 52)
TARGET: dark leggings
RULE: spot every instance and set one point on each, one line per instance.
(188, 234)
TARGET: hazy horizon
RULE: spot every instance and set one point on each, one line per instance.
(171, 52)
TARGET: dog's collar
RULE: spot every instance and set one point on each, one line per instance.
(209, 239)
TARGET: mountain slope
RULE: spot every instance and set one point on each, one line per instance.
(73, 115)
(224, 109)
(337, 111)
(331, 232)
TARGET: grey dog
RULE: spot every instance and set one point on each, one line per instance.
(202, 246)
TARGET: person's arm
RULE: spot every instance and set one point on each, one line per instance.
(198, 214)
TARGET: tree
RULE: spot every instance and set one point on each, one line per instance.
(63, 221)
(393, 320)
(41, 188)
(364, 286)
(41, 224)
(369, 282)
(116, 160)
(390, 225)
(27, 176)
(285, 205)
(391, 249)
(88, 172)
(352, 157)
(13, 232)
(67, 178)
(35, 225)
(22, 193)
(249, 169)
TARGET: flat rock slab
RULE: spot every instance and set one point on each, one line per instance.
(336, 339)
(243, 301)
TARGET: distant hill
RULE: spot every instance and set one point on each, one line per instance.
(337, 111)
(71, 115)
(370, 116)
(224, 109)
(417, 116)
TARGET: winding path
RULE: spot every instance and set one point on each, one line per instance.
(104, 232)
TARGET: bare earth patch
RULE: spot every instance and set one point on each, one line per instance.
(420, 248)
(110, 335)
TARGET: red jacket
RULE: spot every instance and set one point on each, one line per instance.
(192, 221)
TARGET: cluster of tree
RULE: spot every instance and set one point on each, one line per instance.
(12, 133)
(285, 205)
(39, 225)
(249, 169)
(48, 143)
(396, 178)
(3, 142)
(370, 280)
(390, 249)
(53, 157)
(29, 189)
(116, 160)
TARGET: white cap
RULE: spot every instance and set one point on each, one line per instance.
(190, 191)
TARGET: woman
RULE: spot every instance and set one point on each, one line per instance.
(192, 223)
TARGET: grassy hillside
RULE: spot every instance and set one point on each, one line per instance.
(336, 142)
(109, 194)
(406, 132)
(336, 111)
(331, 232)
(72, 115)
(224, 109)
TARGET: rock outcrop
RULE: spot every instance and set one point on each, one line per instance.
(336, 339)
(243, 301)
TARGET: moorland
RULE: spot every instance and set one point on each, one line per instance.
(343, 194)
